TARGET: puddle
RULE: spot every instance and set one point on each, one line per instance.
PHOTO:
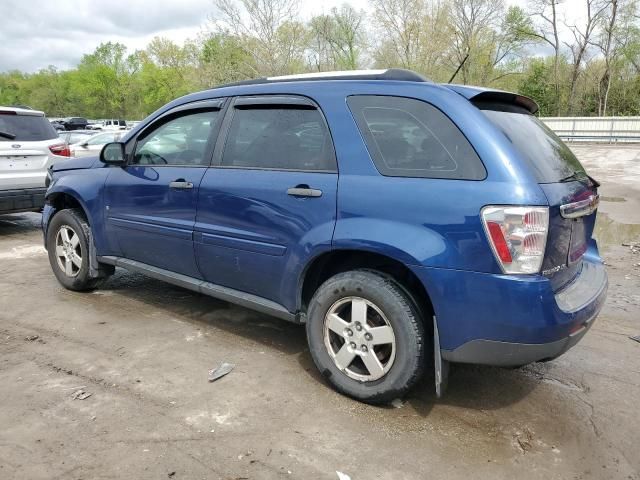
(610, 233)
(613, 199)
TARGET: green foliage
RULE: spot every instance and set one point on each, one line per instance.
(488, 42)
(537, 83)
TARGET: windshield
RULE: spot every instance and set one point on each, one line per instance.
(550, 159)
(25, 128)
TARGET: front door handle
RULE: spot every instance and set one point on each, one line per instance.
(304, 191)
(181, 184)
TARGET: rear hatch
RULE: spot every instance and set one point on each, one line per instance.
(571, 193)
(25, 138)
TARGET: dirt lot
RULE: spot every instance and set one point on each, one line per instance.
(143, 348)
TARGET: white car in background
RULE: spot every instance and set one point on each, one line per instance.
(107, 125)
(93, 145)
(29, 145)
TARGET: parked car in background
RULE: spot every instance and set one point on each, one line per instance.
(58, 125)
(75, 123)
(408, 224)
(108, 125)
(93, 144)
(76, 136)
(28, 146)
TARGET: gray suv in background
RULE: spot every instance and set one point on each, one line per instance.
(28, 146)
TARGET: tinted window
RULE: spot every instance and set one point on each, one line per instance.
(550, 159)
(410, 138)
(285, 138)
(25, 128)
(180, 141)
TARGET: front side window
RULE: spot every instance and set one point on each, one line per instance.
(410, 138)
(279, 137)
(179, 141)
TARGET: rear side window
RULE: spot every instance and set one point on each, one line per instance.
(25, 128)
(547, 155)
(410, 138)
(279, 137)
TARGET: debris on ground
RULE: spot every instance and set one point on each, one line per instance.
(524, 440)
(636, 338)
(221, 371)
(343, 476)
(80, 395)
(633, 246)
(32, 338)
(171, 474)
(397, 403)
(248, 454)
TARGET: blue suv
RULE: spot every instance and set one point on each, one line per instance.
(408, 224)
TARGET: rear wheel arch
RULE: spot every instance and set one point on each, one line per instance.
(331, 263)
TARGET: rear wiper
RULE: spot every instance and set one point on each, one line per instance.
(572, 177)
(8, 135)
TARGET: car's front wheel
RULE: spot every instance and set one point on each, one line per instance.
(68, 248)
(366, 336)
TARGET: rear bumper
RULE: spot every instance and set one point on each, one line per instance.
(21, 200)
(508, 320)
(508, 354)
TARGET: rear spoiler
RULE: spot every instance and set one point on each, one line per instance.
(480, 95)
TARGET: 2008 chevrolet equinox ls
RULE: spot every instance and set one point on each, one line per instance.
(408, 224)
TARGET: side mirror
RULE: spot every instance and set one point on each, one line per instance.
(113, 154)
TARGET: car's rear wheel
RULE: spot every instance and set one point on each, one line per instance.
(68, 249)
(366, 336)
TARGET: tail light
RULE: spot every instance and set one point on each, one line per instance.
(518, 236)
(61, 149)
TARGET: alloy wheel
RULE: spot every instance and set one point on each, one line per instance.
(68, 251)
(359, 339)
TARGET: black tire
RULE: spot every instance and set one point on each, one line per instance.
(74, 220)
(401, 314)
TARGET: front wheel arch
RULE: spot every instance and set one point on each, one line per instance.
(63, 200)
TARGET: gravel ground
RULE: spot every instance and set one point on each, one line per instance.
(142, 350)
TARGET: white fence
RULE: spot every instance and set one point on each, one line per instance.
(595, 129)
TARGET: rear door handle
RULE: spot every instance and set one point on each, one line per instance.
(181, 184)
(300, 191)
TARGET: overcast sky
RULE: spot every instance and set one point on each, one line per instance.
(38, 33)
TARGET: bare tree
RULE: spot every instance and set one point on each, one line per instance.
(583, 38)
(338, 39)
(474, 22)
(546, 12)
(607, 47)
(269, 29)
(400, 23)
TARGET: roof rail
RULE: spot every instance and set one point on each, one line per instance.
(398, 74)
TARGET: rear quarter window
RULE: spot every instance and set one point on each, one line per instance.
(25, 128)
(411, 138)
